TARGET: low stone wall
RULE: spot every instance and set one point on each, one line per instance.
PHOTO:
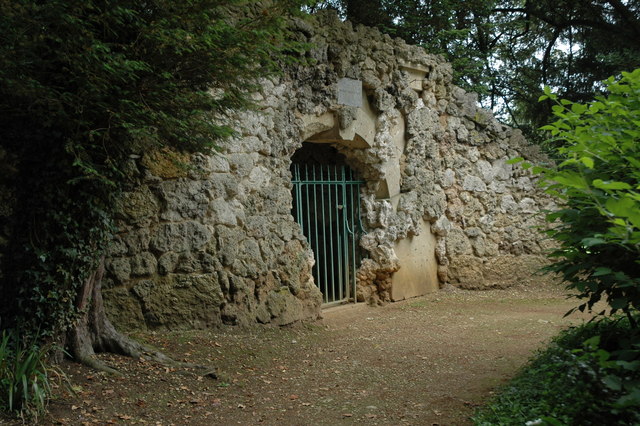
(216, 242)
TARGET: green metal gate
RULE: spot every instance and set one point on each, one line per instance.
(326, 204)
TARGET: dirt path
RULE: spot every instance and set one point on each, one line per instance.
(425, 361)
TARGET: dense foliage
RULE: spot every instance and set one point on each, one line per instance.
(597, 230)
(597, 182)
(589, 375)
(508, 49)
(84, 86)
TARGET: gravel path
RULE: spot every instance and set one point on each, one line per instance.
(426, 361)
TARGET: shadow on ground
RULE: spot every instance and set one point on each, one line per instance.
(425, 361)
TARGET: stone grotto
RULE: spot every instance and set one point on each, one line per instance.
(365, 175)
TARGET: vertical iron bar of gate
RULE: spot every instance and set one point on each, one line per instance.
(320, 275)
(355, 206)
(298, 186)
(314, 203)
(353, 227)
(335, 231)
(344, 263)
(348, 237)
(355, 214)
(332, 204)
(305, 190)
(320, 256)
(339, 232)
(312, 228)
(351, 238)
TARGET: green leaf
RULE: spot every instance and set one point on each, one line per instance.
(592, 241)
(618, 303)
(630, 365)
(592, 342)
(630, 399)
(614, 185)
(619, 222)
(578, 108)
(572, 180)
(587, 161)
(621, 207)
(551, 421)
(612, 382)
(634, 162)
(602, 271)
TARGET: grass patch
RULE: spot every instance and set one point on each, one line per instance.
(589, 375)
(26, 378)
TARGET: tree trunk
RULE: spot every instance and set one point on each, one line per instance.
(94, 332)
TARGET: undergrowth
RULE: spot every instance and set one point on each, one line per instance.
(589, 375)
(26, 379)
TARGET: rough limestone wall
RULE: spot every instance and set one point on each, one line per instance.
(208, 245)
(453, 168)
(216, 243)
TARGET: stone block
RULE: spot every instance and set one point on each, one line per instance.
(179, 237)
(144, 263)
(180, 301)
(474, 184)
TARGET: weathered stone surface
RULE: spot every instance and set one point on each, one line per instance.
(167, 263)
(442, 226)
(137, 240)
(473, 183)
(143, 264)
(207, 240)
(457, 243)
(166, 164)
(123, 309)
(139, 206)
(179, 237)
(120, 268)
(223, 212)
(183, 199)
(180, 301)
(284, 307)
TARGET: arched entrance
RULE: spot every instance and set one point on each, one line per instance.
(326, 205)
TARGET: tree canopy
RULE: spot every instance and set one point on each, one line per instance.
(84, 86)
(507, 50)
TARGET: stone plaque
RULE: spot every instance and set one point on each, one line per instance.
(350, 92)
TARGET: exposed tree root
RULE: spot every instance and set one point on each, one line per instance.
(95, 333)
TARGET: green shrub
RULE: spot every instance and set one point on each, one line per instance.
(589, 375)
(597, 183)
(25, 377)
